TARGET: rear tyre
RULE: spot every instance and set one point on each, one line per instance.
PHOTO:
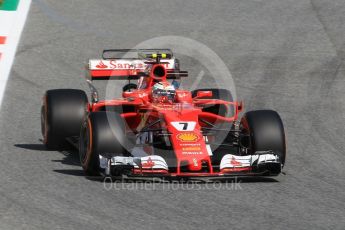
(265, 132)
(62, 114)
(102, 133)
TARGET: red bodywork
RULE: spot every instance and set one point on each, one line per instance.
(189, 146)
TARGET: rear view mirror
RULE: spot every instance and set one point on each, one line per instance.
(204, 94)
(240, 106)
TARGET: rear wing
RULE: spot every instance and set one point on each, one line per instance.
(127, 64)
(136, 53)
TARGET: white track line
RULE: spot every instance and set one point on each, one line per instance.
(9, 49)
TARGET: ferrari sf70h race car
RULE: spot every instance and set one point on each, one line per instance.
(157, 129)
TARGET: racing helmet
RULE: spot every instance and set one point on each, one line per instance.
(163, 92)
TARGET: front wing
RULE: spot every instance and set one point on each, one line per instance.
(263, 163)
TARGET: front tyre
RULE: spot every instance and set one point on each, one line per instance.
(264, 131)
(102, 133)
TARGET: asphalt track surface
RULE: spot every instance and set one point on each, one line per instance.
(285, 55)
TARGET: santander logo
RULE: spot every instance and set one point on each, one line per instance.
(234, 162)
(149, 163)
(101, 65)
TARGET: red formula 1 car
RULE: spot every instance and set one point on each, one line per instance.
(157, 129)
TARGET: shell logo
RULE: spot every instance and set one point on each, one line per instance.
(190, 137)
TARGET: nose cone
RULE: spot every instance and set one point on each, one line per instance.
(194, 164)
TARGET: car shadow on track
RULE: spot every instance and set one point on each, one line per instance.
(71, 172)
(37, 147)
(70, 157)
